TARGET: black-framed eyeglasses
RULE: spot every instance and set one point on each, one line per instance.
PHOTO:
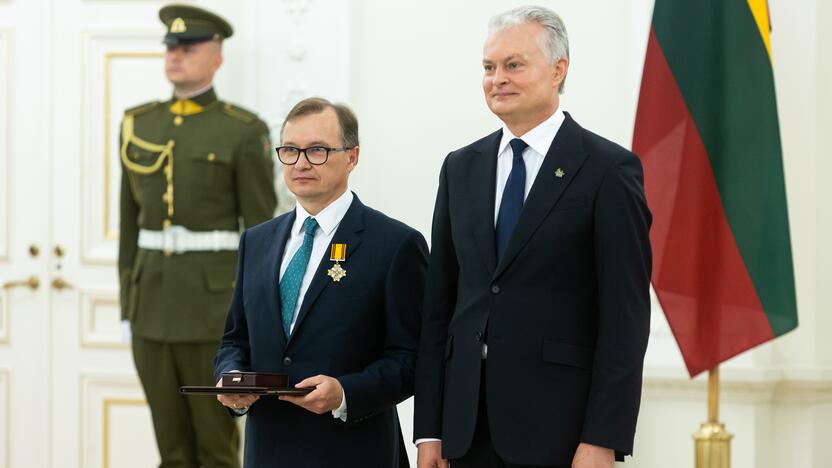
(316, 155)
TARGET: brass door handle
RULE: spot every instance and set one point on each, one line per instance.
(32, 283)
(61, 284)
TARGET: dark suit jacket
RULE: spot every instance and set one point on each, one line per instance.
(363, 330)
(565, 312)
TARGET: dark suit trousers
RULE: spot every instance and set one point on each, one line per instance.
(191, 431)
(482, 453)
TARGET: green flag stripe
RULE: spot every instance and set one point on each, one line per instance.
(720, 63)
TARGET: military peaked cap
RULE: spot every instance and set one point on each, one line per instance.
(188, 24)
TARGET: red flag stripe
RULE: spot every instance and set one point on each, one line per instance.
(705, 289)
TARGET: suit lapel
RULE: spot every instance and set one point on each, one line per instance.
(561, 164)
(273, 259)
(483, 179)
(348, 232)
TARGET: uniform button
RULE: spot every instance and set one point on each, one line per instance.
(287, 361)
(479, 336)
(495, 289)
(212, 156)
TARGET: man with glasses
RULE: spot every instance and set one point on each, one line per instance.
(330, 294)
(194, 171)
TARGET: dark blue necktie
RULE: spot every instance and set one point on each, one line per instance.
(512, 201)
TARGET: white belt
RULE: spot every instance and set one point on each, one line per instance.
(177, 239)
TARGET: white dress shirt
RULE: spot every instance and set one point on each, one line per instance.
(328, 220)
(539, 140)
(194, 93)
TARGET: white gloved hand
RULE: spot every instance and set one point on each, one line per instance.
(126, 333)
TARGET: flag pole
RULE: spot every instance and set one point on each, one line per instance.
(712, 444)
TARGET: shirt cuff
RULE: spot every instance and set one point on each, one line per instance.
(427, 439)
(341, 411)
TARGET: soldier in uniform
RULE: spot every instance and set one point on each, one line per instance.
(195, 171)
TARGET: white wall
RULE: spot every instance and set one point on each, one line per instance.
(412, 72)
(416, 89)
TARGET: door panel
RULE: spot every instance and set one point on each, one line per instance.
(69, 394)
(24, 222)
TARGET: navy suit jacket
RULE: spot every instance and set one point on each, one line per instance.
(362, 330)
(565, 312)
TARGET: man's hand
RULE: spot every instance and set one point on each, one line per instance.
(236, 401)
(430, 455)
(593, 456)
(326, 396)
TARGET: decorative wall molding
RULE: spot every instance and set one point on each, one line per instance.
(743, 386)
(307, 64)
(4, 317)
(101, 396)
(5, 420)
(5, 137)
(106, 423)
(121, 69)
(100, 320)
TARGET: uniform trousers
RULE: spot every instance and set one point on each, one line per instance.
(192, 431)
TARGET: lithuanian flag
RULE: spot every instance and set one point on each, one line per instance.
(707, 133)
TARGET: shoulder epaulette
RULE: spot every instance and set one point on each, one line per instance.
(142, 108)
(239, 113)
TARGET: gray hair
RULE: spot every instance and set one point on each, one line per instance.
(555, 42)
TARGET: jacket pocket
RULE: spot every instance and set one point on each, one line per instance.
(219, 276)
(211, 169)
(215, 156)
(558, 352)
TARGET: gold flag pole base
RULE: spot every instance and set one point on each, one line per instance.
(712, 444)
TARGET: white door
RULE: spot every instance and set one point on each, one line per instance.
(68, 392)
(98, 415)
(24, 228)
(69, 395)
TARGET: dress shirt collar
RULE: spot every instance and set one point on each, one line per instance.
(329, 218)
(539, 138)
(198, 92)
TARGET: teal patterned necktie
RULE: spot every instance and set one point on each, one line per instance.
(293, 276)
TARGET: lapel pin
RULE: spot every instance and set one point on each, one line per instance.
(337, 254)
(559, 173)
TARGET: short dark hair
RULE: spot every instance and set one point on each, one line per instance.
(315, 105)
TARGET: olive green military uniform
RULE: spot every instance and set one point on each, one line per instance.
(194, 173)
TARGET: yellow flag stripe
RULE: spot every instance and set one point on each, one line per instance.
(759, 8)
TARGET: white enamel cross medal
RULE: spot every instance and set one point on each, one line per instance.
(337, 253)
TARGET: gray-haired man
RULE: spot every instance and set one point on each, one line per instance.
(537, 308)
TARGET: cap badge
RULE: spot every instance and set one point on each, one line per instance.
(178, 26)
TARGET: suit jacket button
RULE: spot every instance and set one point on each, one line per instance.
(287, 361)
(479, 337)
(495, 289)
